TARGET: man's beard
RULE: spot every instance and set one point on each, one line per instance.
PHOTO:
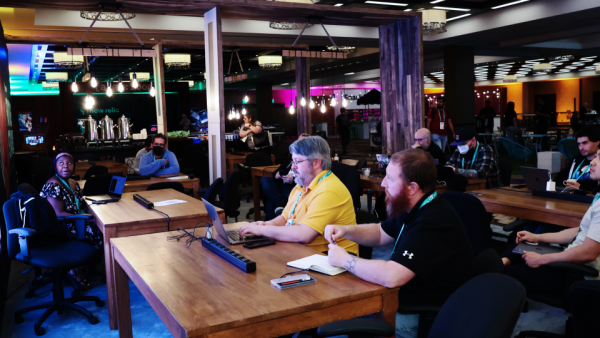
(305, 180)
(398, 205)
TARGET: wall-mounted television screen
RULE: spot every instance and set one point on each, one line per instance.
(25, 122)
(34, 140)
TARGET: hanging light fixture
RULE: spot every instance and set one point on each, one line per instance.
(152, 90)
(57, 77)
(333, 101)
(105, 16)
(270, 61)
(323, 109)
(109, 91)
(92, 101)
(74, 87)
(246, 98)
(303, 101)
(344, 101)
(343, 49)
(237, 115)
(286, 26)
(243, 110)
(64, 61)
(311, 104)
(120, 87)
(178, 61)
(434, 21)
(93, 82)
(134, 82)
(292, 110)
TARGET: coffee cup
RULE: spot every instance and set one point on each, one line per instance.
(366, 172)
(566, 182)
(550, 186)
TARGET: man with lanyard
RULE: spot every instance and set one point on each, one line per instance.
(583, 247)
(160, 161)
(474, 160)
(318, 199)
(438, 122)
(578, 173)
(431, 256)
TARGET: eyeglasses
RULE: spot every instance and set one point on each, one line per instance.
(159, 144)
(421, 139)
(298, 163)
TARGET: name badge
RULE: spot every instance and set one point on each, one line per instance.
(289, 222)
(441, 125)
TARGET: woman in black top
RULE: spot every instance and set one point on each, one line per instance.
(65, 196)
(510, 122)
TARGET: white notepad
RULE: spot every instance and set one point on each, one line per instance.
(177, 178)
(318, 263)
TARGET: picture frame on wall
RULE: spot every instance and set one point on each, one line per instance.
(26, 123)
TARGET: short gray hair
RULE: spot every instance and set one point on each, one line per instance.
(313, 148)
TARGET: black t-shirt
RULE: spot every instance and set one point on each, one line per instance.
(436, 152)
(435, 246)
(487, 115)
(509, 118)
(543, 109)
(340, 121)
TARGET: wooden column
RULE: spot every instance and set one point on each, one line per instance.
(264, 101)
(159, 86)
(215, 100)
(459, 83)
(401, 64)
(303, 87)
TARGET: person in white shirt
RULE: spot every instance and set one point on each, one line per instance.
(138, 157)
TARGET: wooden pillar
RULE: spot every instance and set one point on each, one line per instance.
(215, 99)
(159, 86)
(401, 64)
(264, 101)
(459, 83)
(303, 88)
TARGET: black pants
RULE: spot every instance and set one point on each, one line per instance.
(345, 136)
(277, 194)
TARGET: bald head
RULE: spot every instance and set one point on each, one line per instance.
(423, 137)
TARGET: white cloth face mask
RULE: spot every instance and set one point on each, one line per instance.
(463, 149)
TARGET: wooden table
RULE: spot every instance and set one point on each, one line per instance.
(197, 294)
(142, 185)
(113, 167)
(520, 203)
(128, 218)
(374, 183)
(232, 160)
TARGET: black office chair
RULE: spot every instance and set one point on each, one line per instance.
(211, 193)
(584, 297)
(44, 246)
(506, 170)
(362, 163)
(488, 305)
(166, 185)
(474, 217)
(95, 170)
(351, 179)
(97, 185)
(195, 162)
(281, 151)
(41, 167)
(363, 217)
(229, 195)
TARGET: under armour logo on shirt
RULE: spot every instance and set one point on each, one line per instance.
(410, 255)
(457, 137)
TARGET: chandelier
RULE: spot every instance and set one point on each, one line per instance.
(57, 77)
(509, 78)
(64, 61)
(178, 61)
(541, 68)
(343, 49)
(434, 21)
(287, 26)
(270, 61)
(106, 16)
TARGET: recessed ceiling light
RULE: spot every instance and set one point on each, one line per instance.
(436, 1)
(510, 4)
(338, 5)
(452, 9)
(385, 3)
(408, 10)
(458, 17)
(285, 84)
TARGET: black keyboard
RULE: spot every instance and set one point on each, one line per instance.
(138, 178)
(230, 256)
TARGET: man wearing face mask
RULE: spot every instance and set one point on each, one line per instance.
(138, 157)
(159, 161)
(474, 160)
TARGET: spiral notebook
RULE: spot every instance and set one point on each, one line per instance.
(318, 263)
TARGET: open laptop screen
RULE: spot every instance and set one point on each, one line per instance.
(117, 185)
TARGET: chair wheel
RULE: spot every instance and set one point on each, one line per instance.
(19, 319)
(99, 303)
(93, 320)
(39, 331)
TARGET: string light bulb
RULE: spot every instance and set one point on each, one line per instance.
(303, 101)
(134, 82)
(120, 87)
(333, 101)
(237, 115)
(243, 110)
(109, 91)
(292, 109)
(93, 82)
(74, 87)
(344, 101)
(311, 104)
(323, 109)
(246, 98)
(152, 90)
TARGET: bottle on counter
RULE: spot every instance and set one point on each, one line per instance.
(336, 158)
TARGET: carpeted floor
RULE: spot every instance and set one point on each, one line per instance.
(147, 324)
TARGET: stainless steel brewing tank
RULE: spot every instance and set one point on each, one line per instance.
(106, 129)
(124, 128)
(90, 128)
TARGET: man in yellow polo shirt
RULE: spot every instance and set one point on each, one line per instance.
(318, 199)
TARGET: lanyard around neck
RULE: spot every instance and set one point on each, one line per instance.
(596, 198)
(429, 199)
(474, 157)
(71, 190)
(440, 116)
(587, 169)
(298, 198)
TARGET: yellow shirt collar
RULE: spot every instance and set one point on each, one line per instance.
(314, 182)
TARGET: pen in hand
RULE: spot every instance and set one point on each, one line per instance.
(333, 240)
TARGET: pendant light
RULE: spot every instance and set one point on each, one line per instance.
(152, 90)
(237, 114)
(120, 87)
(74, 87)
(333, 101)
(246, 98)
(292, 110)
(344, 101)
(243, 110)
(311, 104)
(93, 82)
(323, 109)
(109, 91)
(92, 101)
(134, 82)
(303, 101)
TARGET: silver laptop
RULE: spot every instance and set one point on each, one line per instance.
(536, 179)
(115, 190)
(231, 236)
(542, 249)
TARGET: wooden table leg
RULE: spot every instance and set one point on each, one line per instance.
(195, 188)
(256, 196)
(390, 307)
(122, 300)
(112, 307)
